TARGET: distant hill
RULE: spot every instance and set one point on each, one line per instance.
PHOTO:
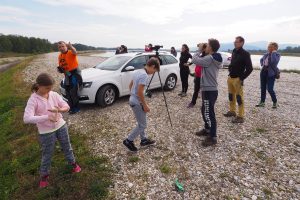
(259, 45)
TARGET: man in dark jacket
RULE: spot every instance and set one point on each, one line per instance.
(239, 69)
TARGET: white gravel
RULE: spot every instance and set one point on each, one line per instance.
(255, 160)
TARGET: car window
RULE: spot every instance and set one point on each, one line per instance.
(113, 63)
(138, 62)
(170, 59)
(162, 60)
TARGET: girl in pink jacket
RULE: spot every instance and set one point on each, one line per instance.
(44, 109)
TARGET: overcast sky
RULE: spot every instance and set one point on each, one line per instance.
(134, 23)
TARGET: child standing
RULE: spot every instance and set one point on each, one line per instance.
(44, 109)
(198, 73)
(138, 104)
(211, 64)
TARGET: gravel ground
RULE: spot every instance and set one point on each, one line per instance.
(258, 159)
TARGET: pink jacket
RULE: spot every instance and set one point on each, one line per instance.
(36, 112)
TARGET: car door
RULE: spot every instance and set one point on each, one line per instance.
(138, 63)
(155, 83)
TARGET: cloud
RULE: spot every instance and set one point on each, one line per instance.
(12, 14)
(153, 11)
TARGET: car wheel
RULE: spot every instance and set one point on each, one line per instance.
(106, 96)
(171, 81)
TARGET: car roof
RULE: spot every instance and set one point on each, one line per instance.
(133, 54)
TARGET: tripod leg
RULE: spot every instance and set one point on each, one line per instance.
(149, 83)
(165, 99)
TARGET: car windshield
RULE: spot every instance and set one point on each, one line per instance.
(113, 63)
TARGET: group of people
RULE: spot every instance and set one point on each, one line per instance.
(45, 106)
(121, 49)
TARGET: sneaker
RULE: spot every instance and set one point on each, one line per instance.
(191, 105)
(275, 105)
(203, 132)
(179, 94)
(260, 104)
(209, 141)
(74, 111)
(76, 168)
(44, 181)
(147, 142)
(230, 114)
(130, 145)
(238, 120)
(183, 94)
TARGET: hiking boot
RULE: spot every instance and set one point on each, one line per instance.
(44, 181)
(191, 105)
(183, 94)
(230, 114)
(209, 141)
(147, 142)
(130, 145)
(275, 105)
(76, 168)
(260, 104)
(203, 132)
(74, 111)
(238, 120)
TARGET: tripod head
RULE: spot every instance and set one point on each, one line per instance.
(156, 48)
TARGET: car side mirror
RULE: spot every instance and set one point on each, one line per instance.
(129, 68)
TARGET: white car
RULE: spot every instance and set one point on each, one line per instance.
(110, 79)
(226, 58)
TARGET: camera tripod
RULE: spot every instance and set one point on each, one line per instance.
(148, 92)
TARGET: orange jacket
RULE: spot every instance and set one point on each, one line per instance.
(68, 61)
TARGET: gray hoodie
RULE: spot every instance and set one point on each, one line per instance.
(210, 68)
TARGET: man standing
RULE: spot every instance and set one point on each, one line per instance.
(68, 64)
(239, 69)
(211, 63)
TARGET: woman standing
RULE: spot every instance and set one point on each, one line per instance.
(184, 69)
(173, 51)
(268, 74)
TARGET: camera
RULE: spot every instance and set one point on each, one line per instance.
(157, 47)
(148, 94)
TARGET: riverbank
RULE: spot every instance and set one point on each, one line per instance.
(255, 160)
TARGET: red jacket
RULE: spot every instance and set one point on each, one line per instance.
(198, 71)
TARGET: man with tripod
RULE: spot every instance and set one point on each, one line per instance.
(138, 104)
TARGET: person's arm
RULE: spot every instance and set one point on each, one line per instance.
(63, 106)
(275, 57)
(69, 45)
(29, 114)
(249, 67)
(202, 61)
(130, 85)
(141, 96)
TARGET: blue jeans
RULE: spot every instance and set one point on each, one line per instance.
(140, 116)
(48, 145)
(267, 82)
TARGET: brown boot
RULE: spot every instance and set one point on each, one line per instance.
(209, 141)
(202, 132)
(238, 120)
(230, 114)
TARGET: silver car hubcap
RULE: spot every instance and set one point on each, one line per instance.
(171, 82)
(109, 96)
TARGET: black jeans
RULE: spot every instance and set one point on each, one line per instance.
(209, 99)
(184, 75)
(72, 92)
(196, 89)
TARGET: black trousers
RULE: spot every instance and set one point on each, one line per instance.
(209, 99)
(196, 89)
(72, 92)
(184, 75)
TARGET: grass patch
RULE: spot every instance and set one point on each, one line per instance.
(20, 153)
(13, 54)
(133, 159)
(267, 192)
(261, 130)
(165, 168)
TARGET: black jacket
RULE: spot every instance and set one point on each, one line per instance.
(184, 57)
(240, 65)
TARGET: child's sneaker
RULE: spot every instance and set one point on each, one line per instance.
(275, 105)
(260, 104)
(76, 168)
(147, 142)
(191, 105)
(130, 145)
(44, 181)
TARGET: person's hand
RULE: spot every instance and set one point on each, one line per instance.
(69, 45)
(146, 108)
(52, 118)
(54, 110)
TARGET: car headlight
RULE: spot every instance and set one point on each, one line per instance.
(87, 84)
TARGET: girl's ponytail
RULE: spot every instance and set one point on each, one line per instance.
(43, 79)
(34, 87)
